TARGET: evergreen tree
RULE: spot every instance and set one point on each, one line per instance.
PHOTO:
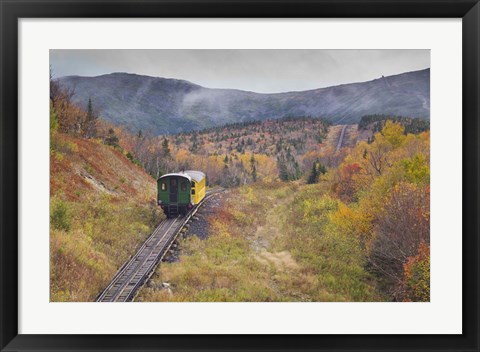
(298, 172)
(90, 109)
(166, 149)
(317, 170)
(313, 178)
(90, 129)
(282, 169)
(111, 138)
(194, 147)
(53, 119)
(254, 168)
(254, 173)
(322, 170)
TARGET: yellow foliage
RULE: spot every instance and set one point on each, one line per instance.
(220, 227)
(182, 155)
(352, 221)
(392, 133)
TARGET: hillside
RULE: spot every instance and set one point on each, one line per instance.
(239, 153)
(359, 232)
(236, 154)
(101, 208)
(164, 106)
(328, 225)
(81, 167)
(269, 137)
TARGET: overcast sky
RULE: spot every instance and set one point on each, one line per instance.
(263, 71)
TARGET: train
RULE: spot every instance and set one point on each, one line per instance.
(179, 192)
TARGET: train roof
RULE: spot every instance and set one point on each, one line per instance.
(190, 174)
(196, 175)
(176, 174)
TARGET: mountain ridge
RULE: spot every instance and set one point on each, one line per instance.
(168, 105)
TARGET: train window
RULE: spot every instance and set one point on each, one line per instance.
(193, 184)
(193, 191)
(184, 186)
(164, 186)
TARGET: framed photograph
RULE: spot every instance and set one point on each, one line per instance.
(214, 175)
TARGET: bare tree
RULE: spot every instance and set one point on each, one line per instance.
(402, 227)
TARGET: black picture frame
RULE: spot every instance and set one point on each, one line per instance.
(11, 11)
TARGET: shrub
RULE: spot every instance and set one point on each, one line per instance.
(60, 215)
(347, 186)
(416, 282)
(417, 169)
(53, 120)
(402, 226)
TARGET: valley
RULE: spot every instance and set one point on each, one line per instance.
(311, 236)
(327, 191)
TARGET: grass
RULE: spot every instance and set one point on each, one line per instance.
(102, 236)
(271, 242)
(101, 210)
(334, 259)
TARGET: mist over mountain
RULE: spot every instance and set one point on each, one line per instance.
(161, 105)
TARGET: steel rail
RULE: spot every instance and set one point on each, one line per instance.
(138, 269)
(340, 140)
(123, 268)
(169, 243)
(133, 274)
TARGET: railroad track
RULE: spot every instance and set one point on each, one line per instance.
(138, 269)
(340, 140)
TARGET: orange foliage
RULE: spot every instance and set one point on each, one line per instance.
(79, 166)
(416, 280)
(347, 186)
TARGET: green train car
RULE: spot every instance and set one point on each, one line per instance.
(179, 192)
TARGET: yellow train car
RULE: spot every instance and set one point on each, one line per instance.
(198, 186)
(179, 192)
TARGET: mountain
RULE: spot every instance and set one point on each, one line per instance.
(161, 105)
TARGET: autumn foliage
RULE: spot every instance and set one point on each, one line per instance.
(360, 233)
(416, 280)
(385, 189)
(355, 222)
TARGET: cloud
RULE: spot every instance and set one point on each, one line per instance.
(263, 71)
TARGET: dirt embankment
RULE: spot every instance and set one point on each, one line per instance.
(79, 166)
